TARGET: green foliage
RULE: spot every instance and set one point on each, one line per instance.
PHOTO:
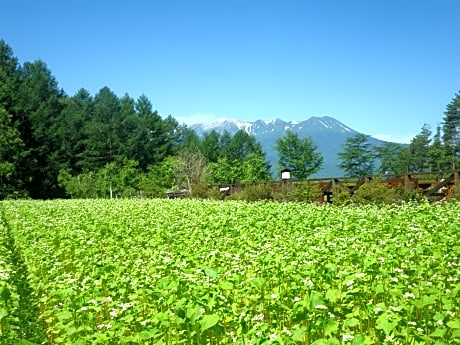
(187, 271)
(392, 158)
(375, 192)
(114, 180)
(357, 157)
(419, 159)
(204, 191)
(298, 155)
(12, 154)
(302, 191)
(451, 129)
(253, 193)
(341, 195)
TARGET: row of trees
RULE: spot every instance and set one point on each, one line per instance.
(55, 145)
(425, 153)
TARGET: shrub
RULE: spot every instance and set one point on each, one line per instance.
(374, 192)
(253, 193)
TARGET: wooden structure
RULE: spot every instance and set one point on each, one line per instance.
(435, 187)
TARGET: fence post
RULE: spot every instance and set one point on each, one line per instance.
(407, 182)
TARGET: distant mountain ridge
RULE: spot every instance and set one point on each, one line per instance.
(327, 133)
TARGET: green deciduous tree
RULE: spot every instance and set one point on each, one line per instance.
(298, 155)
(357, 157)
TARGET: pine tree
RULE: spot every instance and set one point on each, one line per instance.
(451, 130)
(357, 157)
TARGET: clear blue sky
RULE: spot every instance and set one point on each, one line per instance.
(382, 67)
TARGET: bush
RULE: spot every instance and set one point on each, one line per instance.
(341, 195)
(253, 193)
(374, 192)
(204, 191)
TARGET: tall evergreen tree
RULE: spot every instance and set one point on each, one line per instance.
(102, 144)
(68, 131)
(210, 146)
(10, 76)
(357, 157)
(438, 157)
(419, 150)
(12, 156)
(390, 156)
(188, 140)
(451, 130)
(241, 145)
(40, 104)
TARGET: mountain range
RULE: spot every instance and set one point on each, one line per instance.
(326, 132)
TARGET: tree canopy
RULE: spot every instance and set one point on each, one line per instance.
(300, 156)
(357, 157)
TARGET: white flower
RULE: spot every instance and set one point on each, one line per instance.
(308, 282)
(258, 317)
(321, 306)
(420, 330)
(394, 279)
(349, 282)
(439, 322)
(377, 310)
(359, 275)
(409, 295)
(347, 337)
(412, 323)
(429, 283)
(273, 337)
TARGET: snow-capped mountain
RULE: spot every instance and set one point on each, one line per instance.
(326, 132)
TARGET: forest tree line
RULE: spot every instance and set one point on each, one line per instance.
(53, 145)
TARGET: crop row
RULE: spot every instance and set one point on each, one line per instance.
(194, 272)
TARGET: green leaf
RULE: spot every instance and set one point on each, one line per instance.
(438, 332)
(353, 322)
(193, 313)
(333, 295)
(330, 327)
(208, 321)
(453, 324)
(147, 334)
(3, 313)
(226, 285)
(385, 324)
(299, 334)
(210, 273)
